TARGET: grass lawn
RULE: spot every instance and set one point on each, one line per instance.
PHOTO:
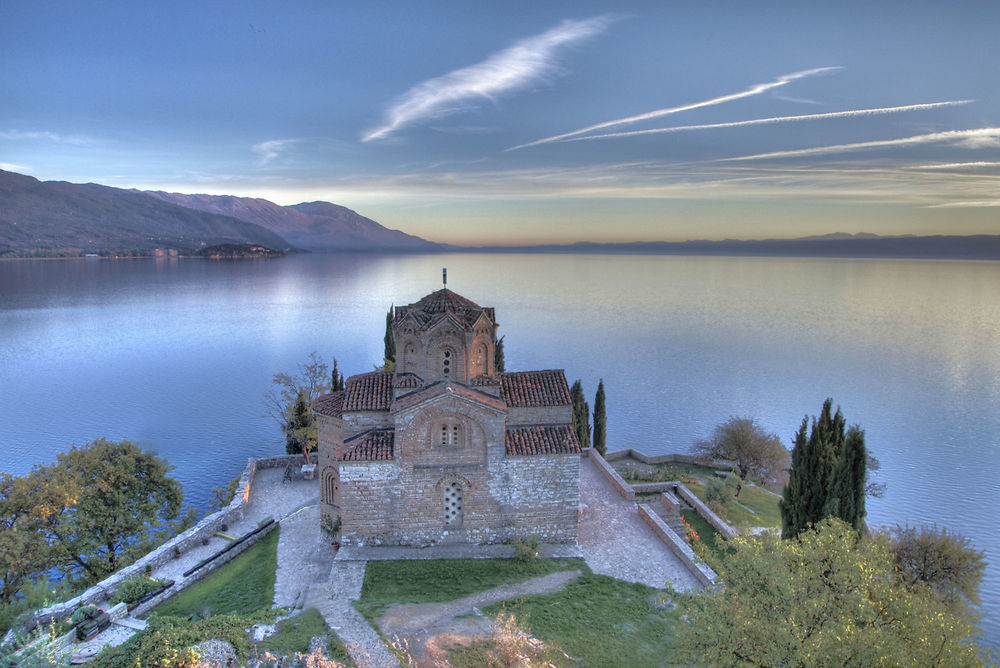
(243, 585)
(762, 502)
(709, 536)
(440, 580)
(599, 621)
(294, 633)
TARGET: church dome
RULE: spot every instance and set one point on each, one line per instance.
(445, 300)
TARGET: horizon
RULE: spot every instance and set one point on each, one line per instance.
(543, 125)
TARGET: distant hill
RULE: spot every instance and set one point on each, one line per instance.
(314, 226)
(972, 247)
(59, 218)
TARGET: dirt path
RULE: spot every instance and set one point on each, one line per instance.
(429, 628)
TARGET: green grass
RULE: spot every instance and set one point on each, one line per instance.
(243, 585)
(294, 634)
(599, 621)
(762, 502)
(440, 580)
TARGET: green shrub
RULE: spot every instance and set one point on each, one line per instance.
(135, 587)
(527, 550)
(83, 613)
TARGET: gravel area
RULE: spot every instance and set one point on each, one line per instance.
(617, 542)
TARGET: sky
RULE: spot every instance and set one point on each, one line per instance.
(525, 122)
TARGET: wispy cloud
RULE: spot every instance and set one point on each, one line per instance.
(527, 62)
(958, 165)
(11, 167)
(776, 119)
(756, 89)
(269, 150)
(982, 137)
(33, 135)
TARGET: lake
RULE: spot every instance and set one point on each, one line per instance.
(176, 355)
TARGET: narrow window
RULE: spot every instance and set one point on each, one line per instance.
(453, 505)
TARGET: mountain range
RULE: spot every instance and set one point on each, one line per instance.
(53, 218)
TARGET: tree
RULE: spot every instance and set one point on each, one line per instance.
(944, 561)
(99, 507)
(389, 358)
(581, 414)
(336, 378)
(826, 474)
(828, 597)
(498, 359)
(312, 379)
(600, 421)
(756, 454)
(301, 434)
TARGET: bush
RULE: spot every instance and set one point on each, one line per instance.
(527, 550)
(134, 588)
(83, 613)
(716, 491)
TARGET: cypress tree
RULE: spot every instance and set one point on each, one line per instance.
(600, 421)
(336, 378)
(498, 360)
(827, 479)
(300, 422)
(390, 343)
(581, 414)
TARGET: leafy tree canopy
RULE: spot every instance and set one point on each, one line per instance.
(825, 598)
(757, 455)
(944, 561)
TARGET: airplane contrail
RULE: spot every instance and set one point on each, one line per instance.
(775, 119)
(979, 137)
(753, 90)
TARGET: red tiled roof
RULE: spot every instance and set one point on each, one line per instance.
(434, 306)
(558, 439)
(446, 387)
(407, 380)
(368, 392)
(374, 445)
(535, 388)
(330, 404)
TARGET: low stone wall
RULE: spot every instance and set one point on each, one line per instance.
(611, 474)
(206, 528)
(725, 530)
(673, 458)
(651, 487)
(679, 547)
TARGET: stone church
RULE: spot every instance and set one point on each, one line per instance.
(445, 449)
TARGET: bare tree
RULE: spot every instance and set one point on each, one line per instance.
(756, 454)
(311, 379)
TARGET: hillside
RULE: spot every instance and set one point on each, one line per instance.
(314, 226)
(59, 218)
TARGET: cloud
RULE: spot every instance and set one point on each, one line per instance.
(11, 167)
(269, 150)
(775, 119)
(756, 89)
(965, 138)
(957, 165)
(21, 135)
(528, 61)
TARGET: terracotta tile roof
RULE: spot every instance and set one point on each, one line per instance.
(407, 380)
(447, 387)
(374, 445)
(557, 439)
(330, 404)
(535, 388)
(368, 392)
(434, 306)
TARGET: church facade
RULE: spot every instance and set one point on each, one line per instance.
(445, 449)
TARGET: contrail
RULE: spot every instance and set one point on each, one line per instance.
(973, 138)
(527, 61)
(753, 90)
(776, 119)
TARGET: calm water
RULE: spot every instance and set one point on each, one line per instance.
(176, 355)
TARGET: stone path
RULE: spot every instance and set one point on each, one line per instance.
(617, 542)
(333, 600)
(418, 624)
(304, 558)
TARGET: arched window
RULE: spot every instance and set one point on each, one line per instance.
(452, 504)
(329, 488)
(479, 360)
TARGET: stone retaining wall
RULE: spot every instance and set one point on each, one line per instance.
(611, 474)
(679, 547)
(727, 531)
(673, 458)
(183, 541)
